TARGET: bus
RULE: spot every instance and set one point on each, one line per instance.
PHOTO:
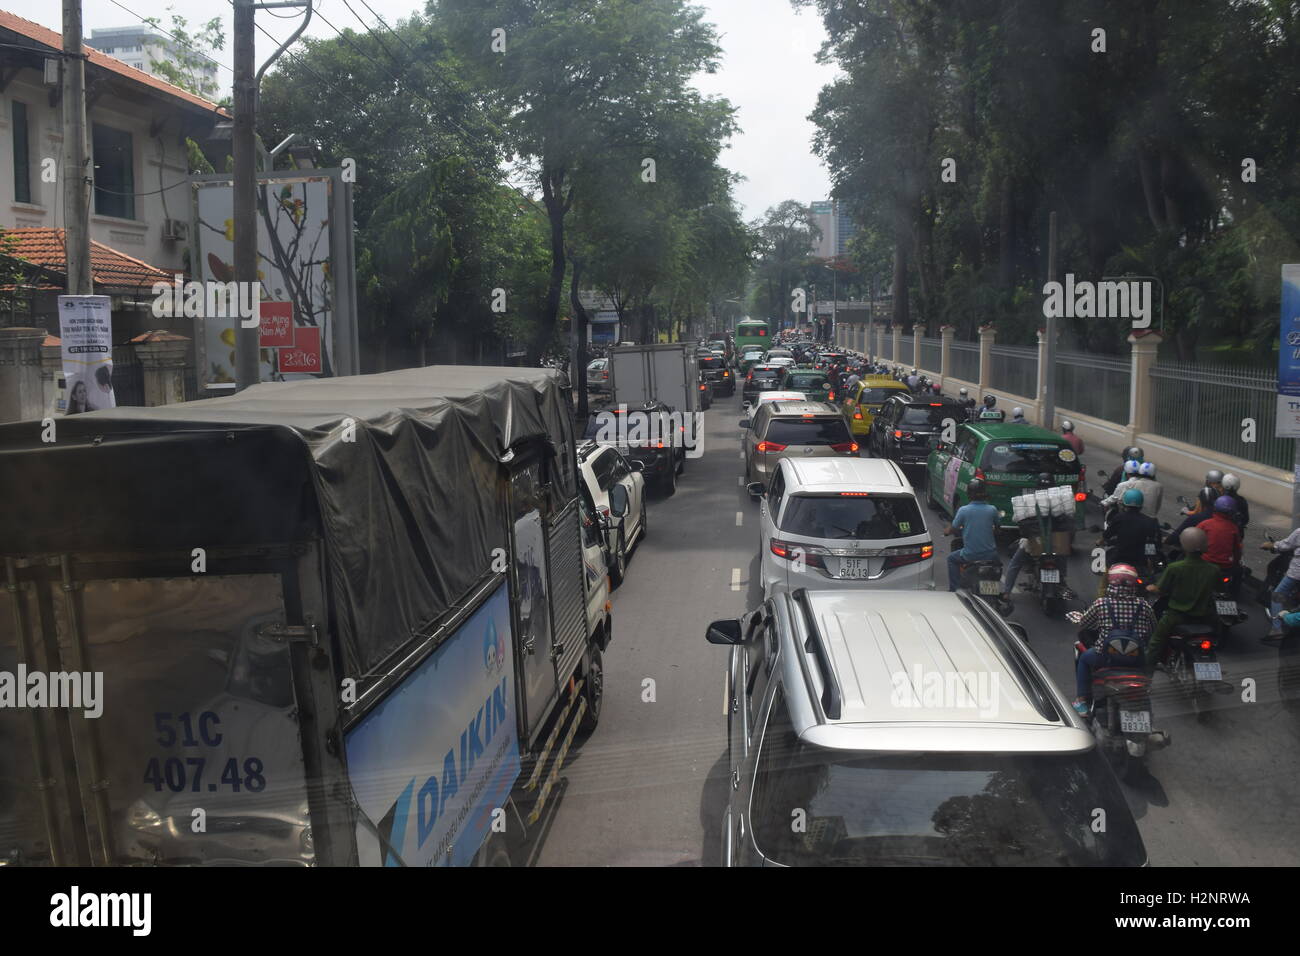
(751, 332)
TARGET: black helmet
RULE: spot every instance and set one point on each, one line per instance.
(1134, 454)
(975, 489)
(989, 400)
(1045, 480)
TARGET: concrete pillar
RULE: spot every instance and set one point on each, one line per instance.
(898, 345)
(987, 336)
(918, 333)
(22, 395)
(52, 375)
(945, 354)
(1141, 406)
(162, 359)
(880, 341)
(1040, 387)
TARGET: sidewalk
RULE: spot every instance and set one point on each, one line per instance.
(1261, 520)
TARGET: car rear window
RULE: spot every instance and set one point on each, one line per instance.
(803, 381)
(826, 430)
(921, 415)
(766, 373)
(711, 362)
(1029, 458)
(924, 809)
(869, 518)
(876, 396)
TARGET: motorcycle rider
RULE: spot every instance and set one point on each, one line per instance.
(966, 402)
(1203, 508)
(1123, 622)
(1143, 478)
(1129, 471)
(1290, 583)
(1129, 531)
(1022, 554)
(977, 520)
(1224, 539)
(1189, 585)
(1018, 416)
(990, 412)
(1232, 488)
(1074, 441)
(1130, 454)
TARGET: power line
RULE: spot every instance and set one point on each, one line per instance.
(172, 35)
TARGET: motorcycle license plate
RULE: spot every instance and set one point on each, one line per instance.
(1135, 721)
(990, 587)
(1208, 670)
(853, 569)
(1226, 608)
(1151, 548)
(1050, 576)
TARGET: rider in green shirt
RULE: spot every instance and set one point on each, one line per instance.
(1189, 586)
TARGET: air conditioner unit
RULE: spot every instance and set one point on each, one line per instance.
(176, 229)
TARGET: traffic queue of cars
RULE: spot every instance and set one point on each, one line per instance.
(872, 717)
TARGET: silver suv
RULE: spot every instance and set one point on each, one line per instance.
(878, 728)
(793, 430)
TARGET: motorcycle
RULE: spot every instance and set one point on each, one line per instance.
(985, 579)
(1047, 568)
(1192, 662)
(1120, 717)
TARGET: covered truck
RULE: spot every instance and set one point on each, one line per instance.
(342, 621)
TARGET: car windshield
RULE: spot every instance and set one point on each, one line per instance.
(863, 517)
(922, 809)
(1030, 458)
(808, 431)
(921, 416)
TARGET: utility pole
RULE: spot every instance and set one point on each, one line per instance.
(76, 168)
(1048, 397)
(244, 153)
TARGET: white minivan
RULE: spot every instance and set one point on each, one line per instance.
(842, 522)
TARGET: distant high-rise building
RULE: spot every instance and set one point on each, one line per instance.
(139, 46)
(832, 218)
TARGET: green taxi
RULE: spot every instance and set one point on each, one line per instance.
(1009, 458)
(865, 398)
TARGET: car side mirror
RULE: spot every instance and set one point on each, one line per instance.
(755, 489)
(618, 501)
(636, 464)
(744, 423)
(724, 632)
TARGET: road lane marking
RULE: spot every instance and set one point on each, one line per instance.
(726, 679)
(740, 517)
(735, 579)
(740, 480)
(742, 454)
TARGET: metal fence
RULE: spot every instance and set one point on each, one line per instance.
(965, 359)
(128, 376)
(1096, 385)
(905, 350)
(1206, 405)
(1014, 370)
(931, 355)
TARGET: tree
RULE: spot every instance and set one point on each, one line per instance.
(182, 58)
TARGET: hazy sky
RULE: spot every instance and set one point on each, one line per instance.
(768, 71)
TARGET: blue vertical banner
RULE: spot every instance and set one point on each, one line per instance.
(1288, 356)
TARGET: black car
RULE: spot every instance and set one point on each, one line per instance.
(662, 456)
(761, 378)
(903, 428)
(718, 375)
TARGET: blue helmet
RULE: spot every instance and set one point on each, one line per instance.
(1133, 498)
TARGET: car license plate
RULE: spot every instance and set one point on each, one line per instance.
(990, 587)
(1226, 608)
(1151, 548)
(1208, 670)
(1050, 576)
(1135, 721)
(853, 569)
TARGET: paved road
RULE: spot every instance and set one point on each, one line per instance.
(647, 787)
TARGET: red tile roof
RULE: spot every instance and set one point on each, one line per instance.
(47, 37)
(109, 268)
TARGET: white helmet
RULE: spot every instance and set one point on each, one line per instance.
(1231, 482)
(1018, 412)
(1147, 469)
(1067, 425)
(1131, 466)
(963, 392)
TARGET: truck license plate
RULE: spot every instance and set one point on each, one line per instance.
(1208, 670)
(1226, 608)
(1050, 576)
(1135, 721)
(853, 569)
(990, 587)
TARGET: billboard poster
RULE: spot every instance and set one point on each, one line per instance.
(1288, 353)
(431, 763)
(86, 328)
(294, 267)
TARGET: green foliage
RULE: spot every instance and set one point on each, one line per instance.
(180, 58)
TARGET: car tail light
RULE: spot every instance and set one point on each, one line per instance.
(726, 374)
(902, 434)
(769, 446)
(855, 494)
(898, 557)
(979, 473)
(845, 447)
(1207, 645)
(790, 551)
(1225, 580)
(857, 415)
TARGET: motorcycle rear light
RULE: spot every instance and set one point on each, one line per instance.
(769, 446)
(845, 447)
(1225, 580)
(1080, 496)
(1207, 645)
(857, 416)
